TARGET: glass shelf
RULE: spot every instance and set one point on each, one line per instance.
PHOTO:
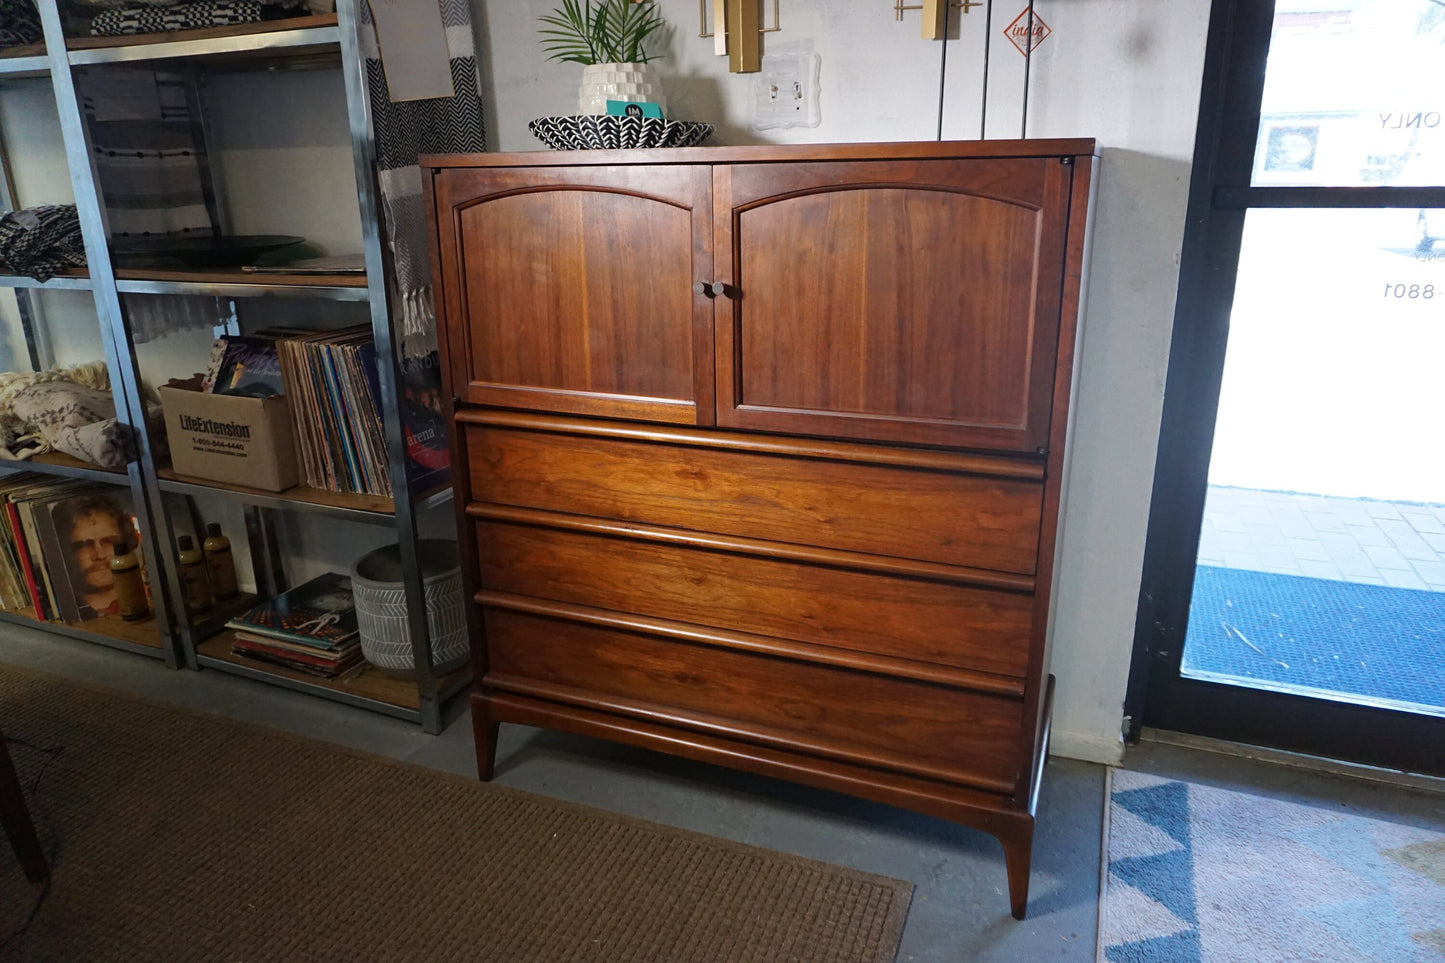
(142, 636)
(292, 37)
(235, 283)
(69, 281)
(27, 60)
(204, 58)
(371, 509)
(227, 283)
(364, 686)
(59, 463)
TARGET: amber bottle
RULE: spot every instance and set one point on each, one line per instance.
(130, 589)
(195, 583)
(219, 563)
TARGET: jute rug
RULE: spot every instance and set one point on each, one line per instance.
(1204, 875)
(181, 836)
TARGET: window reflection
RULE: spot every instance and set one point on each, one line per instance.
(1353, 95)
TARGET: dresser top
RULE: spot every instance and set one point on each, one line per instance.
(762, 153)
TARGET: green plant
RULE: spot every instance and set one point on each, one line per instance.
(610, 31)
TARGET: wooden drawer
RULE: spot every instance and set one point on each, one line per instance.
(712, 482)
(876, 720)
(730, 584)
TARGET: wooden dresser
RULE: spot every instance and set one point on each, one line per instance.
(758, 454)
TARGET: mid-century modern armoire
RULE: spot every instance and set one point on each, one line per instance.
(758, 454)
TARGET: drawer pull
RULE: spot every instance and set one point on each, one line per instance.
(713, 289)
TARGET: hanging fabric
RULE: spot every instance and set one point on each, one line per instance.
(403, 131)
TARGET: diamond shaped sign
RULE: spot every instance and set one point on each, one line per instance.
(1018, 32)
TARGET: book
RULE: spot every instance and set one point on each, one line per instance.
(22, 523)
(60, 590)
(77, 531)
(26, 568)
(423, 426)
(336, 418)
(213, 364)
(341, 653)
(14, 592)
(249, 366)
(295, 664)
(320, 614)
(297, 655)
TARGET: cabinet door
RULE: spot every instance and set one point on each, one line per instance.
(570, 289)
(907, 301)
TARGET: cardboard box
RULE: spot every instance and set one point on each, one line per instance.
(229, 438)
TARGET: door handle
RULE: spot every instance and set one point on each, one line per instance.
(713, 289)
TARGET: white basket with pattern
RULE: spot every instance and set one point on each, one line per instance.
(381, 613)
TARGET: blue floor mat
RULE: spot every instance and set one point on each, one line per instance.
(1368, 640)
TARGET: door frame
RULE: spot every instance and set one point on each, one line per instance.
(1220, 194)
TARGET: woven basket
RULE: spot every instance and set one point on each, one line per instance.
(381, 613)
(606, 132)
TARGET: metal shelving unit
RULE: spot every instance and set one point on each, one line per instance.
(182, 638)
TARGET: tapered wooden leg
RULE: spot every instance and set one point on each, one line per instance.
(16, 819)
(484, 734)
(1018, 849)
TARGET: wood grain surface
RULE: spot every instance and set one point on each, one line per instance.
(915, 304)
(948, 624)
(799, 518)
(589, 307)
(940, 517)
(926, 729)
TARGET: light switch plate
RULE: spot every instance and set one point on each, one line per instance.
(785, 91)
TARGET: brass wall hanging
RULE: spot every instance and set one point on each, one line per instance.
(740, 37)
(935, 13)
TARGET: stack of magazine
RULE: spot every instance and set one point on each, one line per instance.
(310, 629)
(330, 380)
(56, 539)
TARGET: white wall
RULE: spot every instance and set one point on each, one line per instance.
(1126, 72)
(30, 133)
(283, 156)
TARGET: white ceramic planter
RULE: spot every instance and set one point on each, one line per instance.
(629, 82)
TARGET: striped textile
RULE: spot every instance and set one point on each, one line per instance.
(149, 154)
(19, 23)
(150, 160)
(404, 130)
(186, 16)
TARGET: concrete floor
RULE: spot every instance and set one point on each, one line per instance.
(959, 911)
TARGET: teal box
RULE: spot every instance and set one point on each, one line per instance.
(627, 108)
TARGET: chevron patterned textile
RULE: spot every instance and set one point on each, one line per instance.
(404, 130)
(1197, 874)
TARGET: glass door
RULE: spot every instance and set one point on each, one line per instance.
(1294, 584)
